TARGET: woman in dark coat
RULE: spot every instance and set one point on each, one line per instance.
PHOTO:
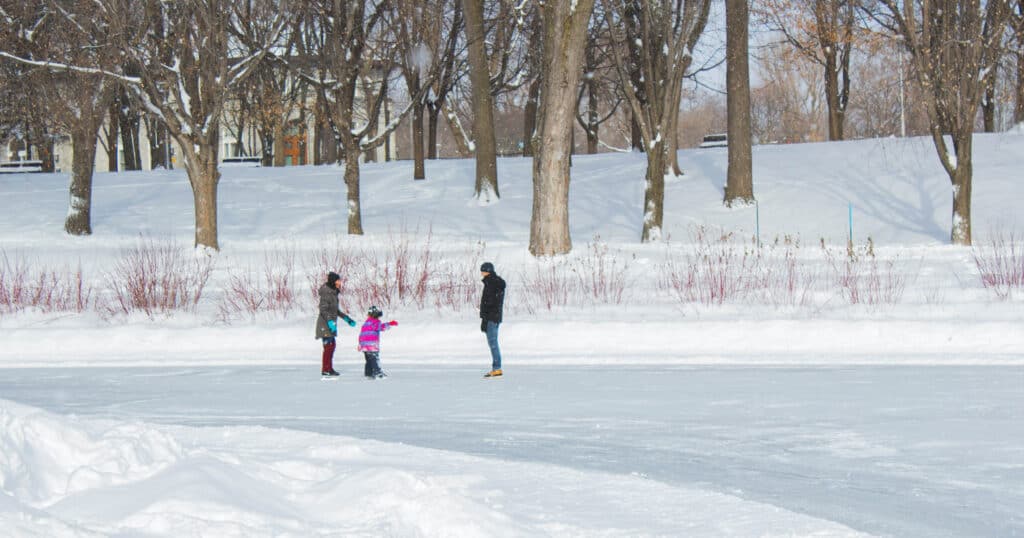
(327, 322)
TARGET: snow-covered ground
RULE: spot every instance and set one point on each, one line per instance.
(880, 393)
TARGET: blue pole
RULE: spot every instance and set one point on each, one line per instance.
(850, 212)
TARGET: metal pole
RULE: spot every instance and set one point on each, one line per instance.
(757, 222)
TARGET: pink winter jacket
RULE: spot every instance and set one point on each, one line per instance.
(369, 337)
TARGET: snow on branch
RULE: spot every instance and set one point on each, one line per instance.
(58, 66)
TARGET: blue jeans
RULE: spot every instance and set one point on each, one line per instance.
(492, 341)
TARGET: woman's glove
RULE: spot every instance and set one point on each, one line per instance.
(333, 326)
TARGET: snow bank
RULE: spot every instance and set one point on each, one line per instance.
(63, 476)
(44, 458)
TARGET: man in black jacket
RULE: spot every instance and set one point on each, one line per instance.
(491, 304)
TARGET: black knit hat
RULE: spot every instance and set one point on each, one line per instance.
(487, 267)
(332, 277)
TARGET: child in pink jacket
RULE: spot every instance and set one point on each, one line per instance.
(369, 342)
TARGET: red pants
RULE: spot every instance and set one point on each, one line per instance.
(327, 361)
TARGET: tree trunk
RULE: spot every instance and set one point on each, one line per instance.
(83, 142)
(673, 127)
(112, 133)
(355, 217)
(962, 184)
(1019, 106)
(330, 145)
(530, 116)
(739, 184)
(592, 119)
(636, 137)
(565, 30)
(418, 169)
(458, 133)
(387, 138)
(654, 193)
(130, 142)
(278, 144)
(204, 178)
(156, 133)
(1018, 110)
(432, 113)
(835, 113)
(485, 146)
(988, 102)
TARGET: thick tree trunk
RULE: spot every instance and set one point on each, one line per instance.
(485, 146)
(962, 185)
(355, 216)
(835, 112)
(530, 116)
(205, 178)
(278, 145)
(739, 185)
(654, 193)
(565, 29)
(83, 147)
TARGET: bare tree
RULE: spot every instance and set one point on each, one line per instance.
(426, 38)
(953, 55)
(739, 185)
(271, 95)
(535, 72)
(484, 144)
(668, 33)
(181, 62)
(599, 84)
(824, 31)
(357, 47)
(452, 66)
(565, 32)
(58, 34)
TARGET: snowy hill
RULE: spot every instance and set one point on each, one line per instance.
(899, 193)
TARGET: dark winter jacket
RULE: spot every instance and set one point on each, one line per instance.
(493, 299)
(329, 311)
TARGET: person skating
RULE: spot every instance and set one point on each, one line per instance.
(369, 342)
(491, 305)
(327, 322)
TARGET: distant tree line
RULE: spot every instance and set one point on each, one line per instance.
(554, 78)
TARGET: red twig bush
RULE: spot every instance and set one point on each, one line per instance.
(1000, 263)
(157, 278)
(24, 286)
(269, 289)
